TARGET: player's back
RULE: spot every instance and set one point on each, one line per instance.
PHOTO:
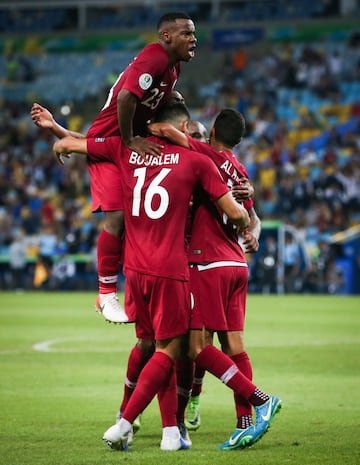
(213, 238)
(156, 197)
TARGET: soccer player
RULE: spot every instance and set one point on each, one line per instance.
(218, 274)
(143, 349)
(137, 94)
(156, 194)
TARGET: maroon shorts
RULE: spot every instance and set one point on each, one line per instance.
(105, 186)
(161, 306)
(219, 295)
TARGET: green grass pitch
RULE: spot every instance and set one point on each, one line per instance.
(62, 369)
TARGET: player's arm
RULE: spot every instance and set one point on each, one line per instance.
(43, 118)
(168, 131)
(126, 107)
(234, 211)
(69, 144)
(252, 233)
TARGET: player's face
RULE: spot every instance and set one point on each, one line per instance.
(197, 131)
(182, 40)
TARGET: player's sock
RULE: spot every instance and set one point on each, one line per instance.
(184, 374)
(136, 362)
(168, 399)
(198, 381)
(242, 405)
(109, 249)
(152, 378)
(221, 366)
(258, 397)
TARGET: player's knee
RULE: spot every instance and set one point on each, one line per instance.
(146, 346)
(114, 222)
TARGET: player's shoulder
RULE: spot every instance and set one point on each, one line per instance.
(155, 50)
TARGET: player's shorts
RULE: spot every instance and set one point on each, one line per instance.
(161, 306)
(219, 292)
(105, 186)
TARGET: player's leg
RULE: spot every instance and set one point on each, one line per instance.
(232, 343)
(162, 309)
(138, 357)
(192, 415)
(155, 375)
(220, 283)
(109, 251)
(184, 375)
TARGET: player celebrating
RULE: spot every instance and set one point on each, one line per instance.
(137, 94)
(156, 195)
(218, 274)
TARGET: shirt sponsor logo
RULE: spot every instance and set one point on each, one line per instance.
(145, 81)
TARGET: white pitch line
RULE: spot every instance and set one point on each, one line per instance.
(47, 346)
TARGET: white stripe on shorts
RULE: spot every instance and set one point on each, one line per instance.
(218, 265)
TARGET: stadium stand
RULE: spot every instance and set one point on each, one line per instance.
(302, 148)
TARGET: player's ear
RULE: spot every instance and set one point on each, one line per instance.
(165, 36)
(184, 127)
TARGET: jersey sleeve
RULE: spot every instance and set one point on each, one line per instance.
(104, 148)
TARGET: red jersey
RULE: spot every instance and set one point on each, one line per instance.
(213, 238)
(156, 198)
(150, 78)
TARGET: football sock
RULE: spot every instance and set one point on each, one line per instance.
(152, 378)
(184, 375)
(258, 397)
(198, 381)
(244, 422)
(136, 362)
(168, 399)
(109, 249)
(242, 405)
(221, 366)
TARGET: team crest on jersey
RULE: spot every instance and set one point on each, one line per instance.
(145, 81)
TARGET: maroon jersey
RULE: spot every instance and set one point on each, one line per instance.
(213, 238)
(151, 79)
(156, 198)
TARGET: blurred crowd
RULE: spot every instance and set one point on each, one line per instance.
(303, 160)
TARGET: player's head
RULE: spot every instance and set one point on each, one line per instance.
(175, 97)
(177, 35)
(174, 113)
(229, 127)
(197, 130)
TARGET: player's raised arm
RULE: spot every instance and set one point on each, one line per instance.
(168, 131)
(43, 118)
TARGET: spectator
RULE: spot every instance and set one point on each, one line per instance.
(18, 261)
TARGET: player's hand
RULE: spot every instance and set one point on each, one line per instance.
(145, 147)
(250, 243)
(156, 129)
(60, 152)
(41, 116)
(242, 191)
